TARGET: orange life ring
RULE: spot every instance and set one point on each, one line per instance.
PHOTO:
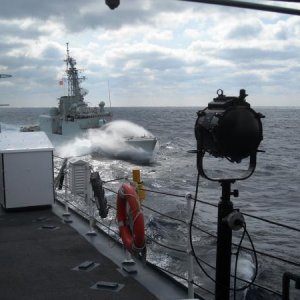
(130, 218)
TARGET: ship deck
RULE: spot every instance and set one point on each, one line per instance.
(40, 257)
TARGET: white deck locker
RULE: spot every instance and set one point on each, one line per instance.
(26, 169)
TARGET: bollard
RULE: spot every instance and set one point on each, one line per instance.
(188, 197)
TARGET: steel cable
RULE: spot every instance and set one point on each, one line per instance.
(203, 202)
(179, 250)
(215, 205)
(212, 235)
(272, 222)
(165, 246)
(162, 214)
(160, 268)
(110, 190)
(163, 193)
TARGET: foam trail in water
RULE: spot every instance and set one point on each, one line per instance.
(245, 270)
(110, 140)
(9, 127)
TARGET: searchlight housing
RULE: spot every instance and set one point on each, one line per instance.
(229, 128)
(112, 4)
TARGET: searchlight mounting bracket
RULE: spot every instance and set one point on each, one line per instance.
(246, 174)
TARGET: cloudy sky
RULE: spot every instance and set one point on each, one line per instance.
(152, 52)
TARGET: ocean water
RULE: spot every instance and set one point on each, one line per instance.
(272, 192)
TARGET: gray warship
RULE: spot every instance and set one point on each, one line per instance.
(73, 117)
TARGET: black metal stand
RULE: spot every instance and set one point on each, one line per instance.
(223, 261)
(286, 278)
(224, 238)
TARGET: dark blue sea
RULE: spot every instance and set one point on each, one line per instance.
(271, 193)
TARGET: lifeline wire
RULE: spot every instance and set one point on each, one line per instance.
(162, 245)
(212, 235)
(160, 268)
(182, 196)
(214, 205)
(204, 262)
(198, 259)
(190, 231)
(171, 248)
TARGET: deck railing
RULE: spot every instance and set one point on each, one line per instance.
(79, 205)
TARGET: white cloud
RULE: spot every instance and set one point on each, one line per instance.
(152, 52)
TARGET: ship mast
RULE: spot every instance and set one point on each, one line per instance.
(74, 80)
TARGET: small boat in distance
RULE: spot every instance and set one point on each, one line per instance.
(73, 117)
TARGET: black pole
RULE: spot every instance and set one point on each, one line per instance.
(223, 262)
(251, 5)
(287, 276)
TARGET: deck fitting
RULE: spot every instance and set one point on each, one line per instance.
(107, 286)
(91, 233)
(67, 221)
(41, 219)
(129, 267)
(49, 227)
(86, 266)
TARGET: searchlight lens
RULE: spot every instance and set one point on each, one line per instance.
(229, 128)
(112, 4)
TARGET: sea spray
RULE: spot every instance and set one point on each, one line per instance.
(9, 127)
(245, 271)
(109, 141)
(125, 129)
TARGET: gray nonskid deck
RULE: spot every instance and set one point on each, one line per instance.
(162, 286)
(40, 263)
(40, 256)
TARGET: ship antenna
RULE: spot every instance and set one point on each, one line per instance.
(67, 63)
(67, 50)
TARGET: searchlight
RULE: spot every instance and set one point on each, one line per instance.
(228, 128)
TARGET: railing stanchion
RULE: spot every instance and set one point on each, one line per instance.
(91, 231)
(128, 264)
(66, 214)
(188, 197)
